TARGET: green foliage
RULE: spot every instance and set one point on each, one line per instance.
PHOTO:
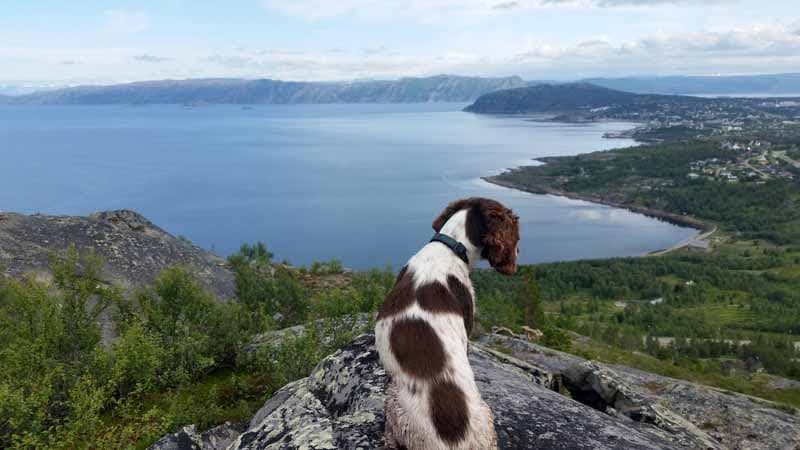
(364, 294)
(532, 299)
(178, 356)
(499, 309)
(334, 266)
(270, 290)
(51, 359)
(655, 177)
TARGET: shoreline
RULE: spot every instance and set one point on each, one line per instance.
(674, 219)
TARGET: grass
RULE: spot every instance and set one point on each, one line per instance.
(225, 395)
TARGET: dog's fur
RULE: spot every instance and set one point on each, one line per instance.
(423, 327)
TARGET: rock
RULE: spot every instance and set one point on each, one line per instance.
(188, 438)
(731, 420)
(340, 406)
(599, 387)
(135, 250)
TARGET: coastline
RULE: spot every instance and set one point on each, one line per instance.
(675, 219)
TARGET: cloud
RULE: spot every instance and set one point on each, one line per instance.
(374, 50)
(623, 3)
(151, 58)
(421, 9)
(506, 5)
(68, 62)
(124, 21)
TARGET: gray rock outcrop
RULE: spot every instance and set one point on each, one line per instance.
(340, 406)
(731, 420)
(135, 250)
(188, 438)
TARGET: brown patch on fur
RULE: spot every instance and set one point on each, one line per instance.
(464, 297)
(476, 227)
(449, 412)
(491, 226)
(434, 297)
(400, 297)
(400, 274)
(417, 348)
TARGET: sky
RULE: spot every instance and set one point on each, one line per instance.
(50, 42)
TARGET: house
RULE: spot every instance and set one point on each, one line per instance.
(698, 245)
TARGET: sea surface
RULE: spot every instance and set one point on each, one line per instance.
(360, 183)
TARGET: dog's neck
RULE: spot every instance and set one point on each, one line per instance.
(456, 228)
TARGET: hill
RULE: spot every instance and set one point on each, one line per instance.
(442, 88)
(777, 84)
(135, 250)
(566, 97)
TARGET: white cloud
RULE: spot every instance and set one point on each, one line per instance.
(421, 9)
(148, 58)
(124, 21)
(759, 48)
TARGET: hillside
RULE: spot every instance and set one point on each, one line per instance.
(777, 84)
(177, 357)
(442, 88)
(134, 249)
(568, 98)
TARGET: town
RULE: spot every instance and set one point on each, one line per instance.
(754, 161)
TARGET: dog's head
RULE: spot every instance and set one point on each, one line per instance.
(491, 227)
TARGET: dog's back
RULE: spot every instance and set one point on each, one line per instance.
(422, 337)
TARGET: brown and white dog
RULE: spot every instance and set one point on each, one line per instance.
(423, 328)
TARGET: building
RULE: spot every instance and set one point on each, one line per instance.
(698, 245)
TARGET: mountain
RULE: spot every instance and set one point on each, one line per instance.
(441, 88)
(713, 85)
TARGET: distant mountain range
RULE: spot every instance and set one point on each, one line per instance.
(442, 88)
(711, 85)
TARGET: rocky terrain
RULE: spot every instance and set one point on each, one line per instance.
(541, 400)
(135, 250)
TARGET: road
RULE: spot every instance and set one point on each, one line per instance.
(684, 243)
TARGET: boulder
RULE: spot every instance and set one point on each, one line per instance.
(731, 420)
(188, 438)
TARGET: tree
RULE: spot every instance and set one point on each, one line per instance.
(532, 302)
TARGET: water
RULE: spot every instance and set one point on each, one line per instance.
(358, 182)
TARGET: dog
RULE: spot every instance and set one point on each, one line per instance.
(422, 331)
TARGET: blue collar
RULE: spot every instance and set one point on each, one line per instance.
(457, 247)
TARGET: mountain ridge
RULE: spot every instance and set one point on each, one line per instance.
(440, 88)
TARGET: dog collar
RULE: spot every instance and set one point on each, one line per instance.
(457, 247)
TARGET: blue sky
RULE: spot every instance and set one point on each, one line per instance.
(91, 41)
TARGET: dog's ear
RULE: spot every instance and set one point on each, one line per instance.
(501, 238)
(448, 212)
(490, 225)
